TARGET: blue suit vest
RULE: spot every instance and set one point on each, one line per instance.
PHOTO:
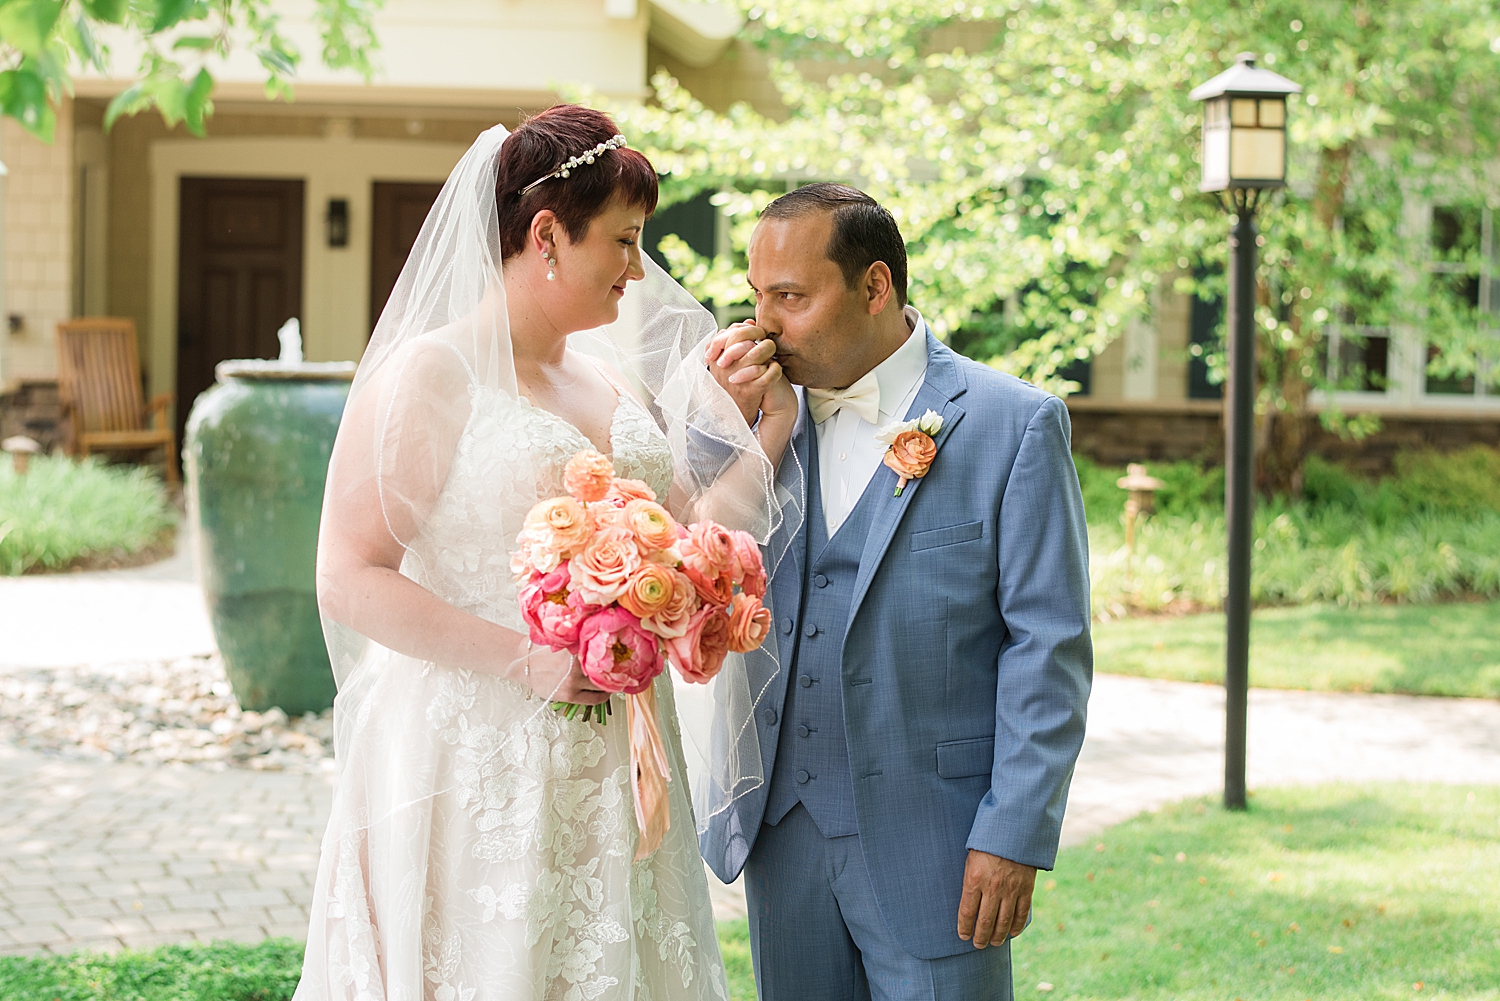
(812, 759)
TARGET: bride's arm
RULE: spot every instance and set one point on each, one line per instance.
(388, 467)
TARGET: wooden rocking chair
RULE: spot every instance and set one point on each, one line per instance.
(99, 381)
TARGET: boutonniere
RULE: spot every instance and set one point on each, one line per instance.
(910, 448)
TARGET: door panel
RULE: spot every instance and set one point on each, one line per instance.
(397, 213)
(239, 275)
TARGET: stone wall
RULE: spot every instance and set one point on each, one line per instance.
(1153, 433)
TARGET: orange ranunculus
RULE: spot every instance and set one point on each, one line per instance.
(565, 525)
(708, 560)
(588, 476)
(749, 623)
(651, 523)
(910, 456)
(602, 570)
(649, 590)
(624, 491)
(673, 619)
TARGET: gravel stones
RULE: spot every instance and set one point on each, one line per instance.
(179, 711)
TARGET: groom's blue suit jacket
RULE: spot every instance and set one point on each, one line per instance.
(966, 659)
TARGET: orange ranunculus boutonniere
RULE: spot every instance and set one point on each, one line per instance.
(911, 448)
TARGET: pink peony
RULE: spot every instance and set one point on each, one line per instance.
(699, 652)
(602, 571)
(588, 476)
(552, 611)
(617, 654)
(675, 617)
(625, 491)
(749, 623)
(751, 575)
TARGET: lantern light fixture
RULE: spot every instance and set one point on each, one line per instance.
(1244, 127)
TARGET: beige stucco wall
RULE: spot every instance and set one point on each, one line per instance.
(38, 243)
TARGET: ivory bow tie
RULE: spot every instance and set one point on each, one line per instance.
(863, 398)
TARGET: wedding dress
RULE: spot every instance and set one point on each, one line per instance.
(480, 846)
(513, 877)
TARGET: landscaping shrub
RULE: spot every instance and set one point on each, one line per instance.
(219, 971)
(63, 511)
(1429, 531)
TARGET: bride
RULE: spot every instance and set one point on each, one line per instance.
(481, 846)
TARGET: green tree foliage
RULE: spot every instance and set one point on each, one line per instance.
(1041, 158)
(43, 42)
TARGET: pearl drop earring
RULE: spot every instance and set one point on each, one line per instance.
(551, 264)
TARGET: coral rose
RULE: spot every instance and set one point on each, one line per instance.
(607, 514)
(910, 456)
(708, 560)
(699, 652)
(552, 611)
(751, 572)
(625, 491)
(677, 614)
(616, 653)
(588, 476)
(651, 523)
(749, 623)
(649, 590)
(603, 569)
(567, 525)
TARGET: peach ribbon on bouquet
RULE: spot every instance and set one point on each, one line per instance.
(649, 775)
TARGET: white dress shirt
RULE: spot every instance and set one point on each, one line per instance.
(848, 454)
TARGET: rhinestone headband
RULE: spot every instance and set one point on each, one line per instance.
(578, 161)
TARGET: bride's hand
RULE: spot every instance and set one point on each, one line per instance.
(557, 677)
(742, 359)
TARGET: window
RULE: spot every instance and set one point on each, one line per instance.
(1359, 358)
(1205, 322)
(1464, 274)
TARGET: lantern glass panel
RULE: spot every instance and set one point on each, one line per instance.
(1272, 114)
(1242, 112)
(1257, 154)
(1215, 158)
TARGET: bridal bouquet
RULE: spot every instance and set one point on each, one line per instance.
(608, 575)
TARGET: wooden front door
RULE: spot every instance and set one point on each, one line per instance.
(397, 212)
(239, 275)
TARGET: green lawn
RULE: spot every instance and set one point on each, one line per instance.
(1336, 892)
(1448, 649)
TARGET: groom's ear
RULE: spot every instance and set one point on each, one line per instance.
(878, 287)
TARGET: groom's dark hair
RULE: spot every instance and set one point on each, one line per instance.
(863, 231)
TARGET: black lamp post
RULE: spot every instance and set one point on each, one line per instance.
(1244, 154)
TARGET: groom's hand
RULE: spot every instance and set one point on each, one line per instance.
(996, 899)
(742, 359)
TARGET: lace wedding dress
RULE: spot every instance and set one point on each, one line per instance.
(480, 845)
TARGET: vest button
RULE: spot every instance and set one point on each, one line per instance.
(820, 581)
(786, 625)
(802, 775)
(768, 716)
(809, 630)
(803, 731)
(805, 681)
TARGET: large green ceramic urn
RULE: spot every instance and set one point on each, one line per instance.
(256, 457)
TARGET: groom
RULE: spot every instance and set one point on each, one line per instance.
(920, 734)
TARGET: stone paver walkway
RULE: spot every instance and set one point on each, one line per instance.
(104, 855)
(96, 855)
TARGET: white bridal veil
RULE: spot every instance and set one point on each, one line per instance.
(406, 423)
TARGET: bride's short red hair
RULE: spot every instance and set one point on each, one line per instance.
(539, 146)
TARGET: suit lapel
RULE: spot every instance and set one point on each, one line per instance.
(942, 384)
(787, 544)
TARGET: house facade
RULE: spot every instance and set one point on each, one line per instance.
(307, 209)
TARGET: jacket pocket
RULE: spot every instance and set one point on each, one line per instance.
(961, 759)
(950, 536)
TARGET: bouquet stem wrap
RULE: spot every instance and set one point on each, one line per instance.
(649, 774)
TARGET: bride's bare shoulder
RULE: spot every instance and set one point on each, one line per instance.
(437, 360)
